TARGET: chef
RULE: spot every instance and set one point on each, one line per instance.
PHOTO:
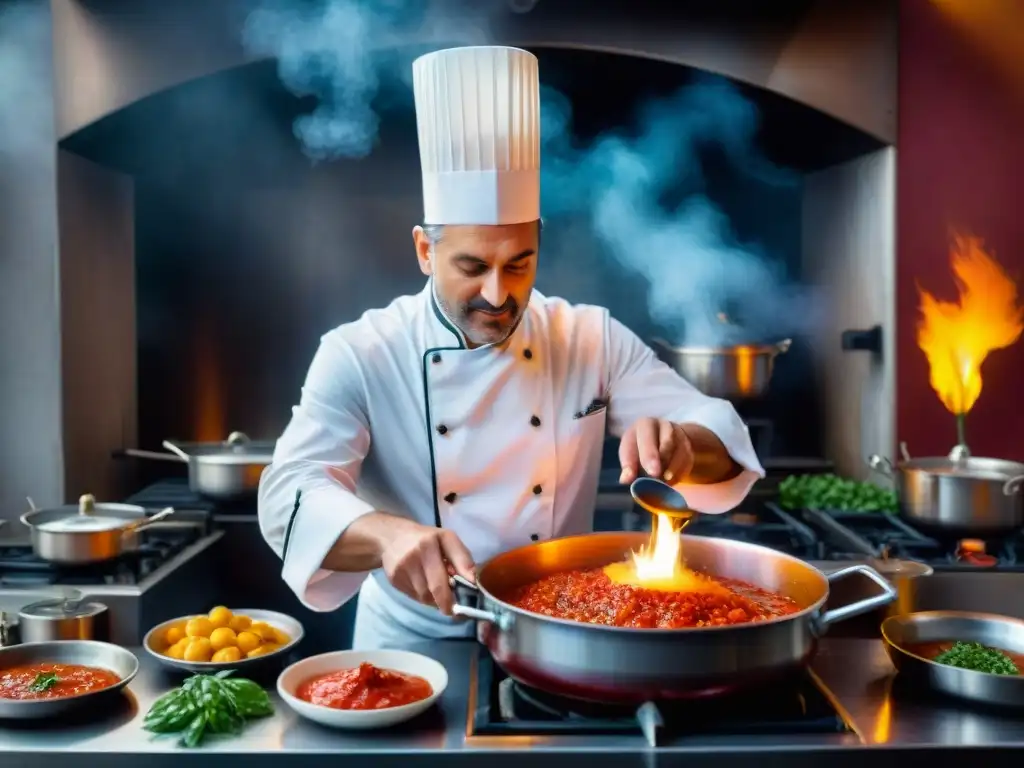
(469, 419)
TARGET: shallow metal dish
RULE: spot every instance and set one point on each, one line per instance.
(153, 642)
(90, 653)
(989, 629)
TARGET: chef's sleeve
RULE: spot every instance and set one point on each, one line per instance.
(642, 386)
(307, 493)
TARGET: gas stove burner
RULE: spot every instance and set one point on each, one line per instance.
(505, 707)
(20, 567)
(175, 492)
(972, 552)
(853, 535)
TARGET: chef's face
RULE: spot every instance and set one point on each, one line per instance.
(483, 275)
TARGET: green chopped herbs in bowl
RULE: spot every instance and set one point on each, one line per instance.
(206, 704)
(829, 491)
(978, 658)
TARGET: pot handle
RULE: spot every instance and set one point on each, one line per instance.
(173, 448)
(856, 609)
(881, 465)
(502, 621)
(148, 521)
(237, 439)
(1013, 485)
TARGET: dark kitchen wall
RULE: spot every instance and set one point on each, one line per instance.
(961, 118)
(246, 252)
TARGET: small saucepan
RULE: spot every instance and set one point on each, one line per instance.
(88, 533)
(227, 471)
(56, 613)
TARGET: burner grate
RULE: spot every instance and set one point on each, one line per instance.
(175, 492)
(20, 567)
(505, 707)
(858, 534)
(763, 524)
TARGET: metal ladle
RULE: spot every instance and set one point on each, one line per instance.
(660, 498)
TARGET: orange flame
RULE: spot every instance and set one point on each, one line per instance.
(956, 337)
(210, 415)
(660, 565)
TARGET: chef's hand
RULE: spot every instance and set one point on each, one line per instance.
(660, 448)
(414, 560)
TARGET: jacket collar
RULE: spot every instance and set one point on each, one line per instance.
(444, 333)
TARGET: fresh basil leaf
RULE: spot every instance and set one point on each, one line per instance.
(44, 681)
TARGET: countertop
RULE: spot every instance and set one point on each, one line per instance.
(888, 721)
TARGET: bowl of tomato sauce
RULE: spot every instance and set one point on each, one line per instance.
(362, 689)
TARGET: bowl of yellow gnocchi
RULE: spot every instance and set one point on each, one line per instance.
(222, 639)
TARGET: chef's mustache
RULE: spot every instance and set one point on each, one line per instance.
(485, 306)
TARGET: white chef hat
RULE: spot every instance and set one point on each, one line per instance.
(478, 117)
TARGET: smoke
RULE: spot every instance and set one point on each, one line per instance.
(346, 52)
(26, 102)
(696, 270)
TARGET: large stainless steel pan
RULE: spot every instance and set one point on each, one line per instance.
(613, 664)
(227, 471)
(89, 532)
(959, 495)
(901, 633)
(735, 372)
(89, 653)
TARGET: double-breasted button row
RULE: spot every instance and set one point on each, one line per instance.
(442, 429)
(436, 357)
(451, 497)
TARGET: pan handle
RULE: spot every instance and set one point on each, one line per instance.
(881, 465)
(459, 585)
(887, 596)
(135, 453)
(147, 521)
(1012, 485)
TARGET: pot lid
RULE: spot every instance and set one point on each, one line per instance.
(78, 523)
(87, 517)
(55, 609)
(975, 467)
(237, 449)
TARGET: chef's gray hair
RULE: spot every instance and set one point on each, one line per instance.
(434, 233)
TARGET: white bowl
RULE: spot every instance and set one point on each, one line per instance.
(401, 661)
(154, 641)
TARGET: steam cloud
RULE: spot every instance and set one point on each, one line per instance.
(343, 52)
(26, 107)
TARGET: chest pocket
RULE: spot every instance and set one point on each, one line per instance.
(585, 437)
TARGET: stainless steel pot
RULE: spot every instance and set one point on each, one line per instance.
(88, 533)
(957, 495)
(227, 471)
(613, 664)
(741, 371)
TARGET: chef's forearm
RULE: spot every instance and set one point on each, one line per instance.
(360, 547)
(712, 462)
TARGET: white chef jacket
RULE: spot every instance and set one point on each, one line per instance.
(501, 444)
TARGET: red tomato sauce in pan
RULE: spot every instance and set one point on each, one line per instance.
(53, 681)
(364, 687)
(591, 597)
